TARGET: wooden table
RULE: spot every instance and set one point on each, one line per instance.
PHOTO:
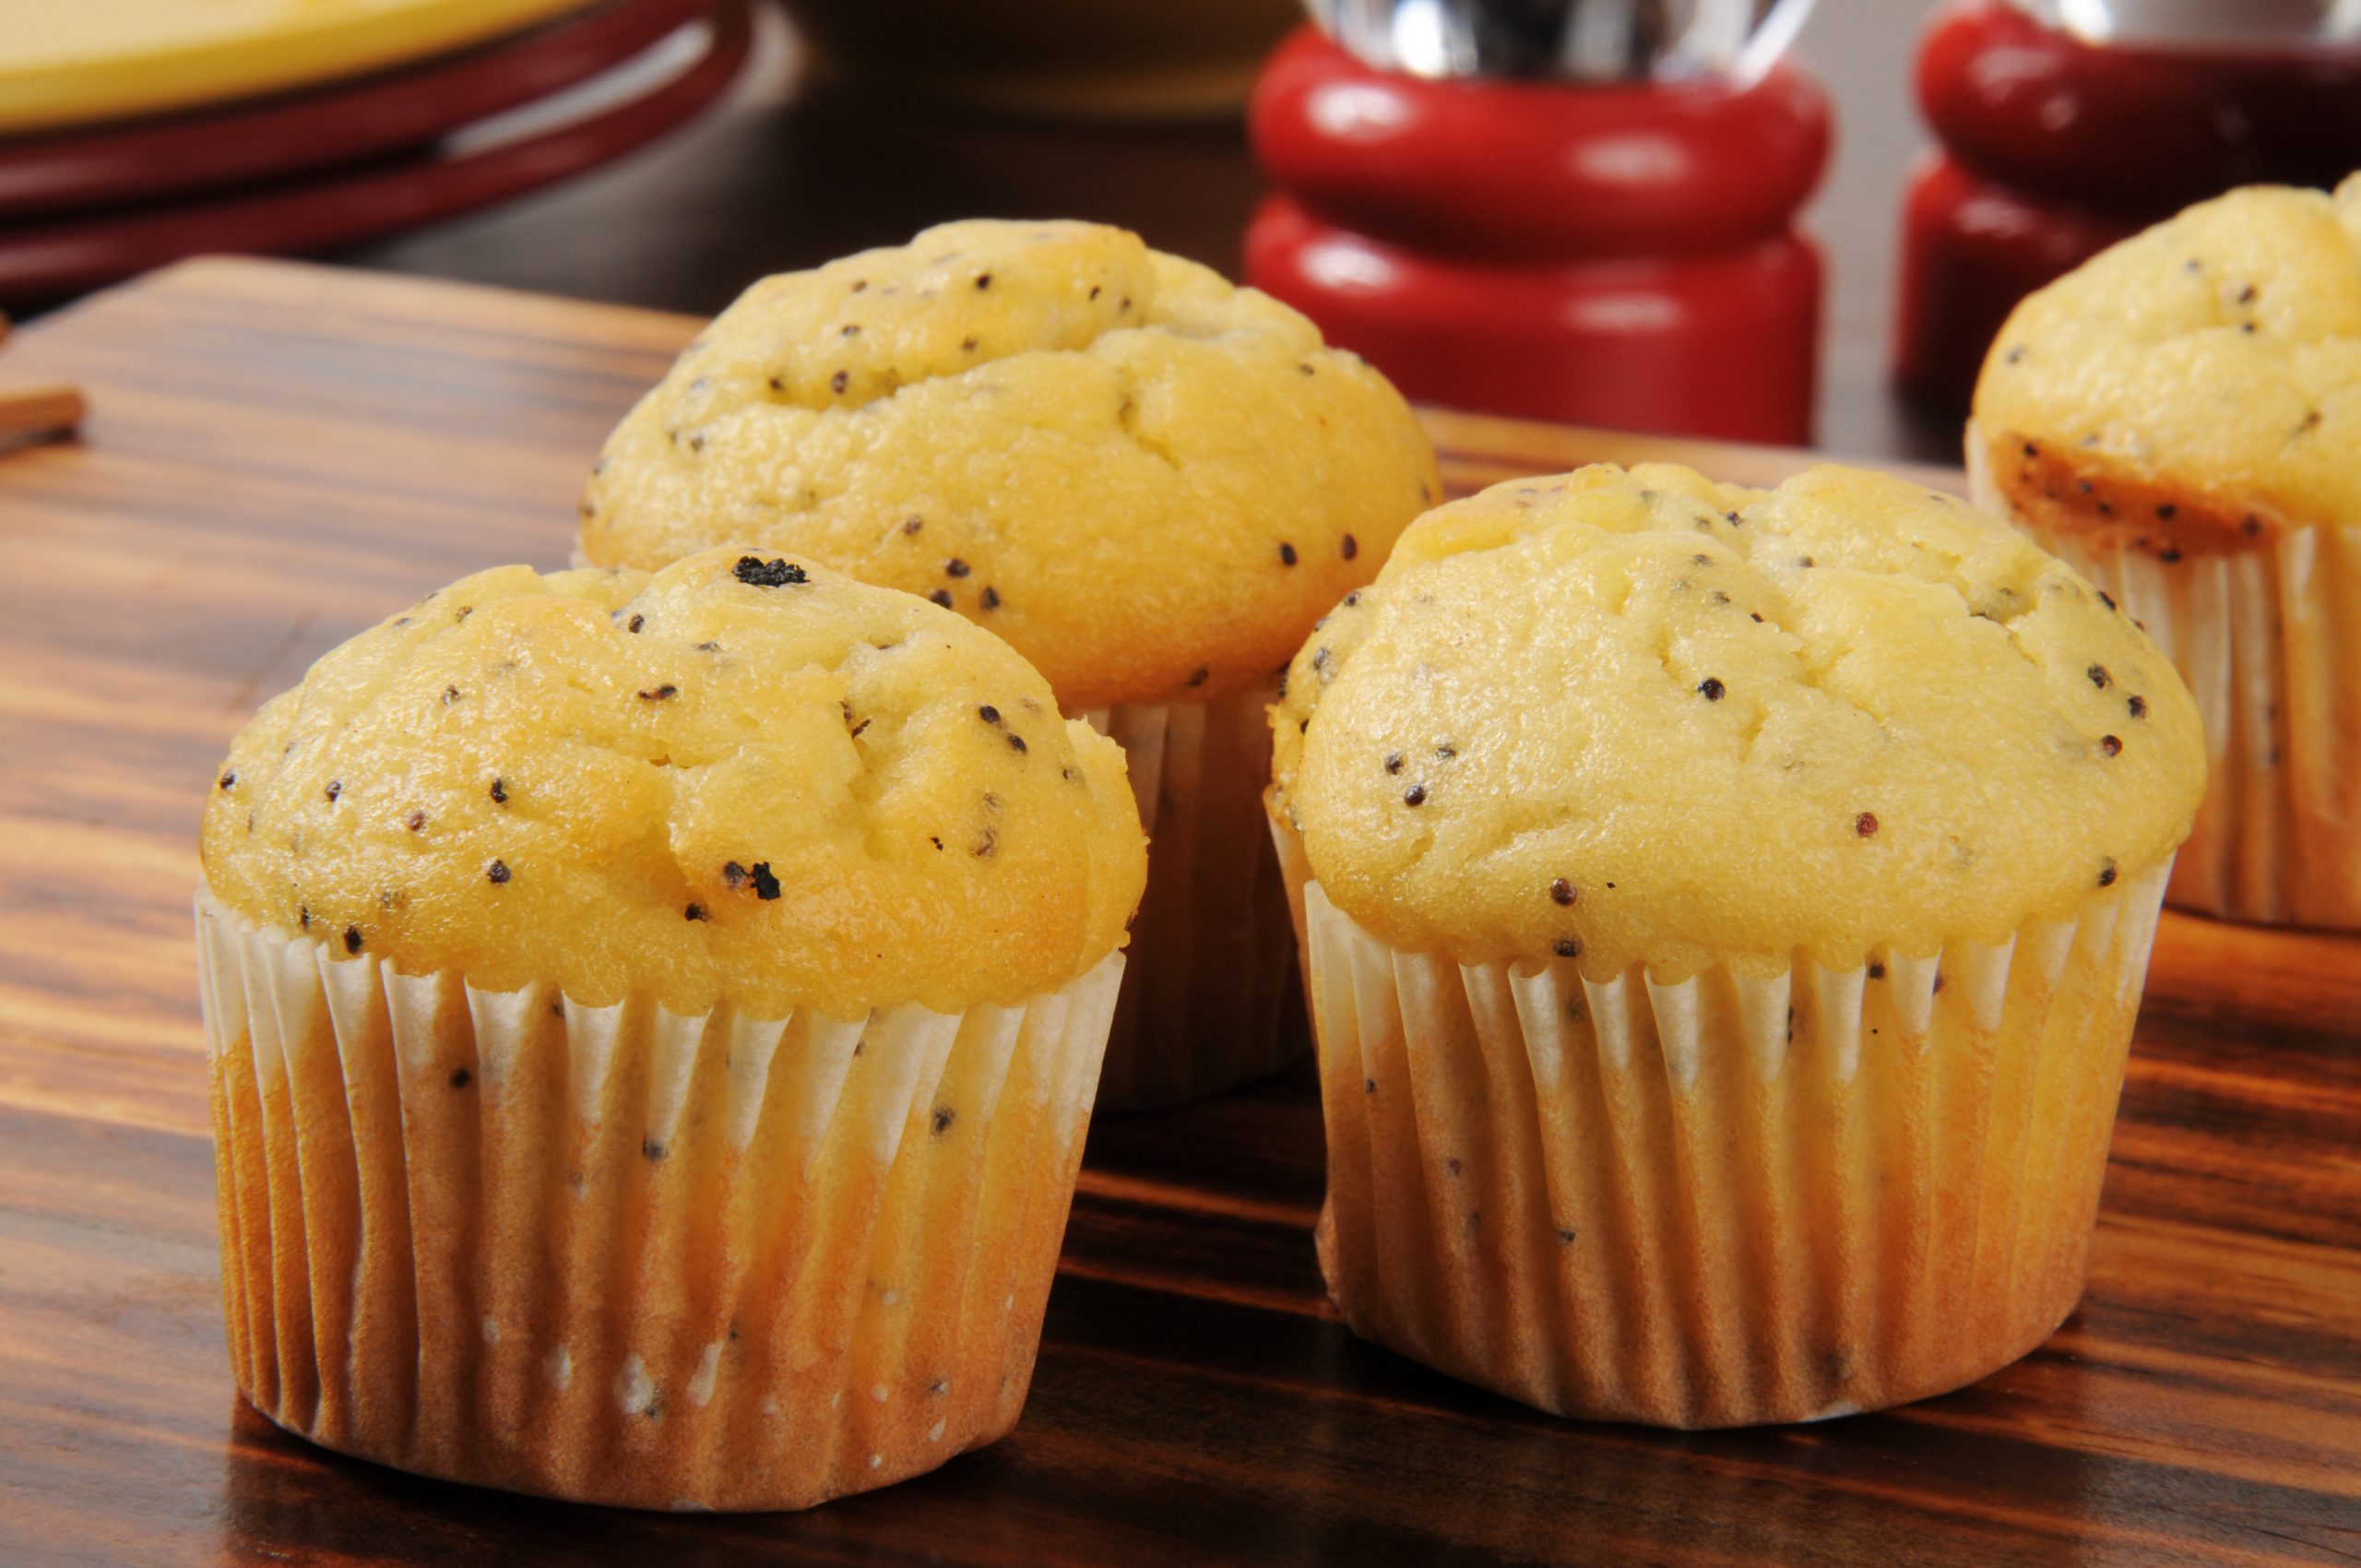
(277, 455)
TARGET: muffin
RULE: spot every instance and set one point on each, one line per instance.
(653, 1022)
(1150, 482)
(1727, 913)
(2180, 419)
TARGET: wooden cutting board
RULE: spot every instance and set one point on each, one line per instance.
(277, 456)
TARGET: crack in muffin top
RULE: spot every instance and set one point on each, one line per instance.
(744, 778)
(1149, 481)
(1640, 717)
(2195, 386)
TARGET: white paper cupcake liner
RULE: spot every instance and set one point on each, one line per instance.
(621, 1255)
(2268, 639)
(1728, 1200)
(1212, 942)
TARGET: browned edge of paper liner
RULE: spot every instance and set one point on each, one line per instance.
(1211, 945)
(1723, 1201)
(619, 1255)
(2268, 640)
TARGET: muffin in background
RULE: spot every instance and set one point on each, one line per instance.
(1727, 914)
(1150, 482)
(2180, 419)
(653, 1023)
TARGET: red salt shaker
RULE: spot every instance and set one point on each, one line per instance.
(1571, 224)
(2068, 125)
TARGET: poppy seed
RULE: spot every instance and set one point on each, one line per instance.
(756, 572)
(496, 872)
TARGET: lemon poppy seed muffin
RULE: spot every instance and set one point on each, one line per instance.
(2180, 418)
(1727, 913)
(1149, 481)
(643, 1008)
(1845, 714)
(694, 784)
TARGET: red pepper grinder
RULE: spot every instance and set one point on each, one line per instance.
(1573, 209)
(2068, 125)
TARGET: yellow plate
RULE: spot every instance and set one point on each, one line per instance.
(69, 62)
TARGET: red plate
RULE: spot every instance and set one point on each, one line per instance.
(394, 112)
(52, 260)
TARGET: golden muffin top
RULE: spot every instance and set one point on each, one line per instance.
(1642, 718)
(2200, 383)
(741, 779)
(1150, 482)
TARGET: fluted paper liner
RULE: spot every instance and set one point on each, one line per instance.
(1727, 1200)
(2268, 639)
(621, 1255)
(1212, 942)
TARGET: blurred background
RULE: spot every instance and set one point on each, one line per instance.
(1577, 210)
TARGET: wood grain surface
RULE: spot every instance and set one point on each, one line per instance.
(277, 456)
